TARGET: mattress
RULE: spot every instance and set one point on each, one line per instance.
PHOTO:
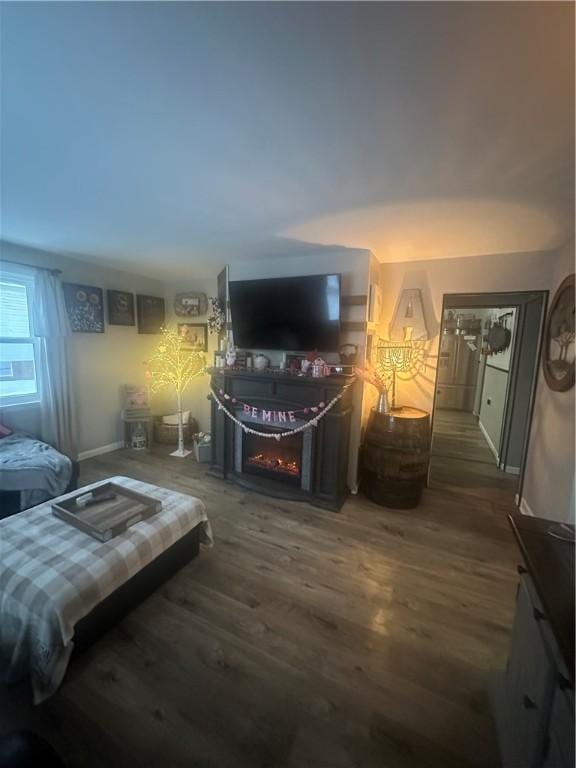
(52, 575)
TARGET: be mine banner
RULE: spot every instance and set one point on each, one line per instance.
(278, 417)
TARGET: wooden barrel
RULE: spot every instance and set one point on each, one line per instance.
(394, 457)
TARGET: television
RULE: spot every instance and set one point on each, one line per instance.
(292, 314)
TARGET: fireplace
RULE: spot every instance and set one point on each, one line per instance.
(310, 465)
(287, 461)
(277, 460)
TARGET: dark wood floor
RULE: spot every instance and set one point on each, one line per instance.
(462, 460)
(303, 639)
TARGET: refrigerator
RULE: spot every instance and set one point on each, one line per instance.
(458, 362)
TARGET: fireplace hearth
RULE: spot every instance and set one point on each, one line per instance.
(310, 465)
(281, 461)
(287, 461)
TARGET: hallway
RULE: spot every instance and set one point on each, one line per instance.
(461, 458)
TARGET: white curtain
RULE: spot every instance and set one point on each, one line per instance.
(50, 324)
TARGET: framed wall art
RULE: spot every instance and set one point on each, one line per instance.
(191, 304)
(85, 307)
(558, 352)
(150, 312)
(195, 336)
(120, 308)
(136, 396)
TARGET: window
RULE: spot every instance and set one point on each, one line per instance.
(18, 348)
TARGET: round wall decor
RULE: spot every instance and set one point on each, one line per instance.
(558, 352)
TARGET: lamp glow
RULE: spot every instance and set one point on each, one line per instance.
(171, 365)
(394, 357)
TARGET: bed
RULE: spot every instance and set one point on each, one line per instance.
(60, 588)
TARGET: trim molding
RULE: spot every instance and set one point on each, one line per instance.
(525, 508)
(99, 451)
(355, 300)
(489, 441)
(353, 325)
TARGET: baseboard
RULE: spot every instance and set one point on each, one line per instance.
(525, 508)
(489, 441)
(99, 451)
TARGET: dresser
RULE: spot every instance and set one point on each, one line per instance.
(533, 698)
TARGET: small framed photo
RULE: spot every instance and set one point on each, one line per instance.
(195, 336)
(135, 396)
(85, 308)
(374, 303)
(120, 308)
(150, 312)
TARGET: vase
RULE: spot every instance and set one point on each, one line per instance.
(383, 406)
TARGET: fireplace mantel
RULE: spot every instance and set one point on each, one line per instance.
(280, 390)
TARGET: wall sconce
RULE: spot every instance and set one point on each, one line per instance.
(409, 322)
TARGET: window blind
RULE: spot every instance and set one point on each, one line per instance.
(14, 321)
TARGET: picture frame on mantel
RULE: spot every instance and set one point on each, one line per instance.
(151, 313)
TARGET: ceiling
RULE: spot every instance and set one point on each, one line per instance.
(168, 136)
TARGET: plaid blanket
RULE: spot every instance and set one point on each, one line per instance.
(52, 575)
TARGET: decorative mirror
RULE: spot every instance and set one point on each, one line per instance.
(558, 352)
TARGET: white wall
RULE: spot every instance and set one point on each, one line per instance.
(102, 362)
(475, 274)
(495, 383)
(549, 484)
(492, 406)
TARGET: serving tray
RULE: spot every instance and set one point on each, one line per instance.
(107, 518)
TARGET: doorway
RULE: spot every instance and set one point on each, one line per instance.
(486, 375)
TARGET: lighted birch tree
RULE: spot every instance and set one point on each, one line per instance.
(173, 365)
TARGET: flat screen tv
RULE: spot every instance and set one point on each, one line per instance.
(293, 314)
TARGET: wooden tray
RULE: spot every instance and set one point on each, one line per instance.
(107, 519)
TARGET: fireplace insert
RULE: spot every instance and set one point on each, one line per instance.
(279, 460)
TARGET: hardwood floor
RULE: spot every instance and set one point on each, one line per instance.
(462, 460)
(303, 639)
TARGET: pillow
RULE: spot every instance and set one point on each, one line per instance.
(173, 418)
(5, 431)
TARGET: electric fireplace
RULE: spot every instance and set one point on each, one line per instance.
(288, 462)
(279, 460)
(311, 465)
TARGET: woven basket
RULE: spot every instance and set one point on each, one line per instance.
(168, 433)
